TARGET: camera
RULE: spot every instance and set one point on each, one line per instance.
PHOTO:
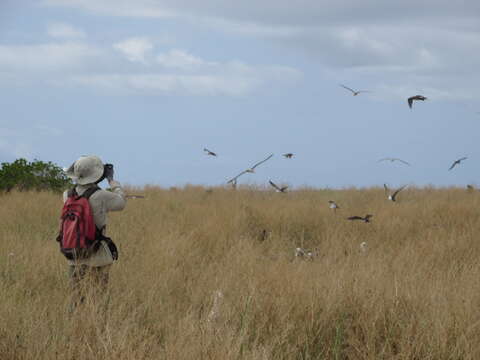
(107, 172)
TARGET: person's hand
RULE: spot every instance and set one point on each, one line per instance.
(108, 172)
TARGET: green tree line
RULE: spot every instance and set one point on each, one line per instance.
(36, 175)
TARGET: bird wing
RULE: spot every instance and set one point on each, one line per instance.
(398, 190)
(463, 158)
(384, 159)
(453, 165)
(386, 188)
(282, 189)
(236, 177)
(410, 101)
(261, 162)
(346, 87)
(205, 149)
(403, 161)
(274, 185)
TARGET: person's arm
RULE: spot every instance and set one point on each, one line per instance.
(115, 200)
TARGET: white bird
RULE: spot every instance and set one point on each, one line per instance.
(395, 159)
(363, 247)
(355, 93)
(250, 170)
(303, 253)
(390, 196)
(333, 205)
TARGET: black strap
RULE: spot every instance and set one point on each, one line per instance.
(87, 193)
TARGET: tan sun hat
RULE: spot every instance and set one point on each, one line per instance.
(86, 170)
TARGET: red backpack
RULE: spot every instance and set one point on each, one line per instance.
(78, 234)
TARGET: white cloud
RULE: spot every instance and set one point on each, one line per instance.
(65, 31)
(49, 56)
(181, 59)
(137, 8)
(232, 79)
(135, 49)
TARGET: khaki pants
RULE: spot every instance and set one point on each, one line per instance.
(87, 281)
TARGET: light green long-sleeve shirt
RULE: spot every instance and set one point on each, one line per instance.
(101, 202)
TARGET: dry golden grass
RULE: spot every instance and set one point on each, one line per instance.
(414, 294)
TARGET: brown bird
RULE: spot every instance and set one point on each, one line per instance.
(393, 197)
(279, 189)
(288, 155)
(416, 97)
(457, 162)
(355, 93)
(208, 152)
(364, 219)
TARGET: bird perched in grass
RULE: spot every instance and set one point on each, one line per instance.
(393, 196)
(303, 253)
(457, 162)
(364, 219)
(416, 97)
(278, 188)
(208, 152)
(354, 93)
(333, 205)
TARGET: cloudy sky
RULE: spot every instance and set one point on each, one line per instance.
(147, 84)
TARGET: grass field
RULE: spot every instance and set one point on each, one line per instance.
(414, 294)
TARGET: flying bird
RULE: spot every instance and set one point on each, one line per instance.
(394, 159)
(355, 93)
(416, 97)
(364, 219)
(457, 162)
(393, 197)
(288, 155)
(208, 152)
(279, 189)
(251, 170)
(333, 205)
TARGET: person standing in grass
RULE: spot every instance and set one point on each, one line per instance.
(89, 269)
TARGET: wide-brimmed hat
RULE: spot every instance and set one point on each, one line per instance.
(86, 170)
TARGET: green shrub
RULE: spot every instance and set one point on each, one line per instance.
(37, 175)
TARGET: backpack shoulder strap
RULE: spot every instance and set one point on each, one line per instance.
(90, 191)
(72, 192)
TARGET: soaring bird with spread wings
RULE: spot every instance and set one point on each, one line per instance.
(457, 162)
(355, 93)
(278, 188)
(251, 170)
(208, 152)
(416, 97)
(393, 196)
(394, 159)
